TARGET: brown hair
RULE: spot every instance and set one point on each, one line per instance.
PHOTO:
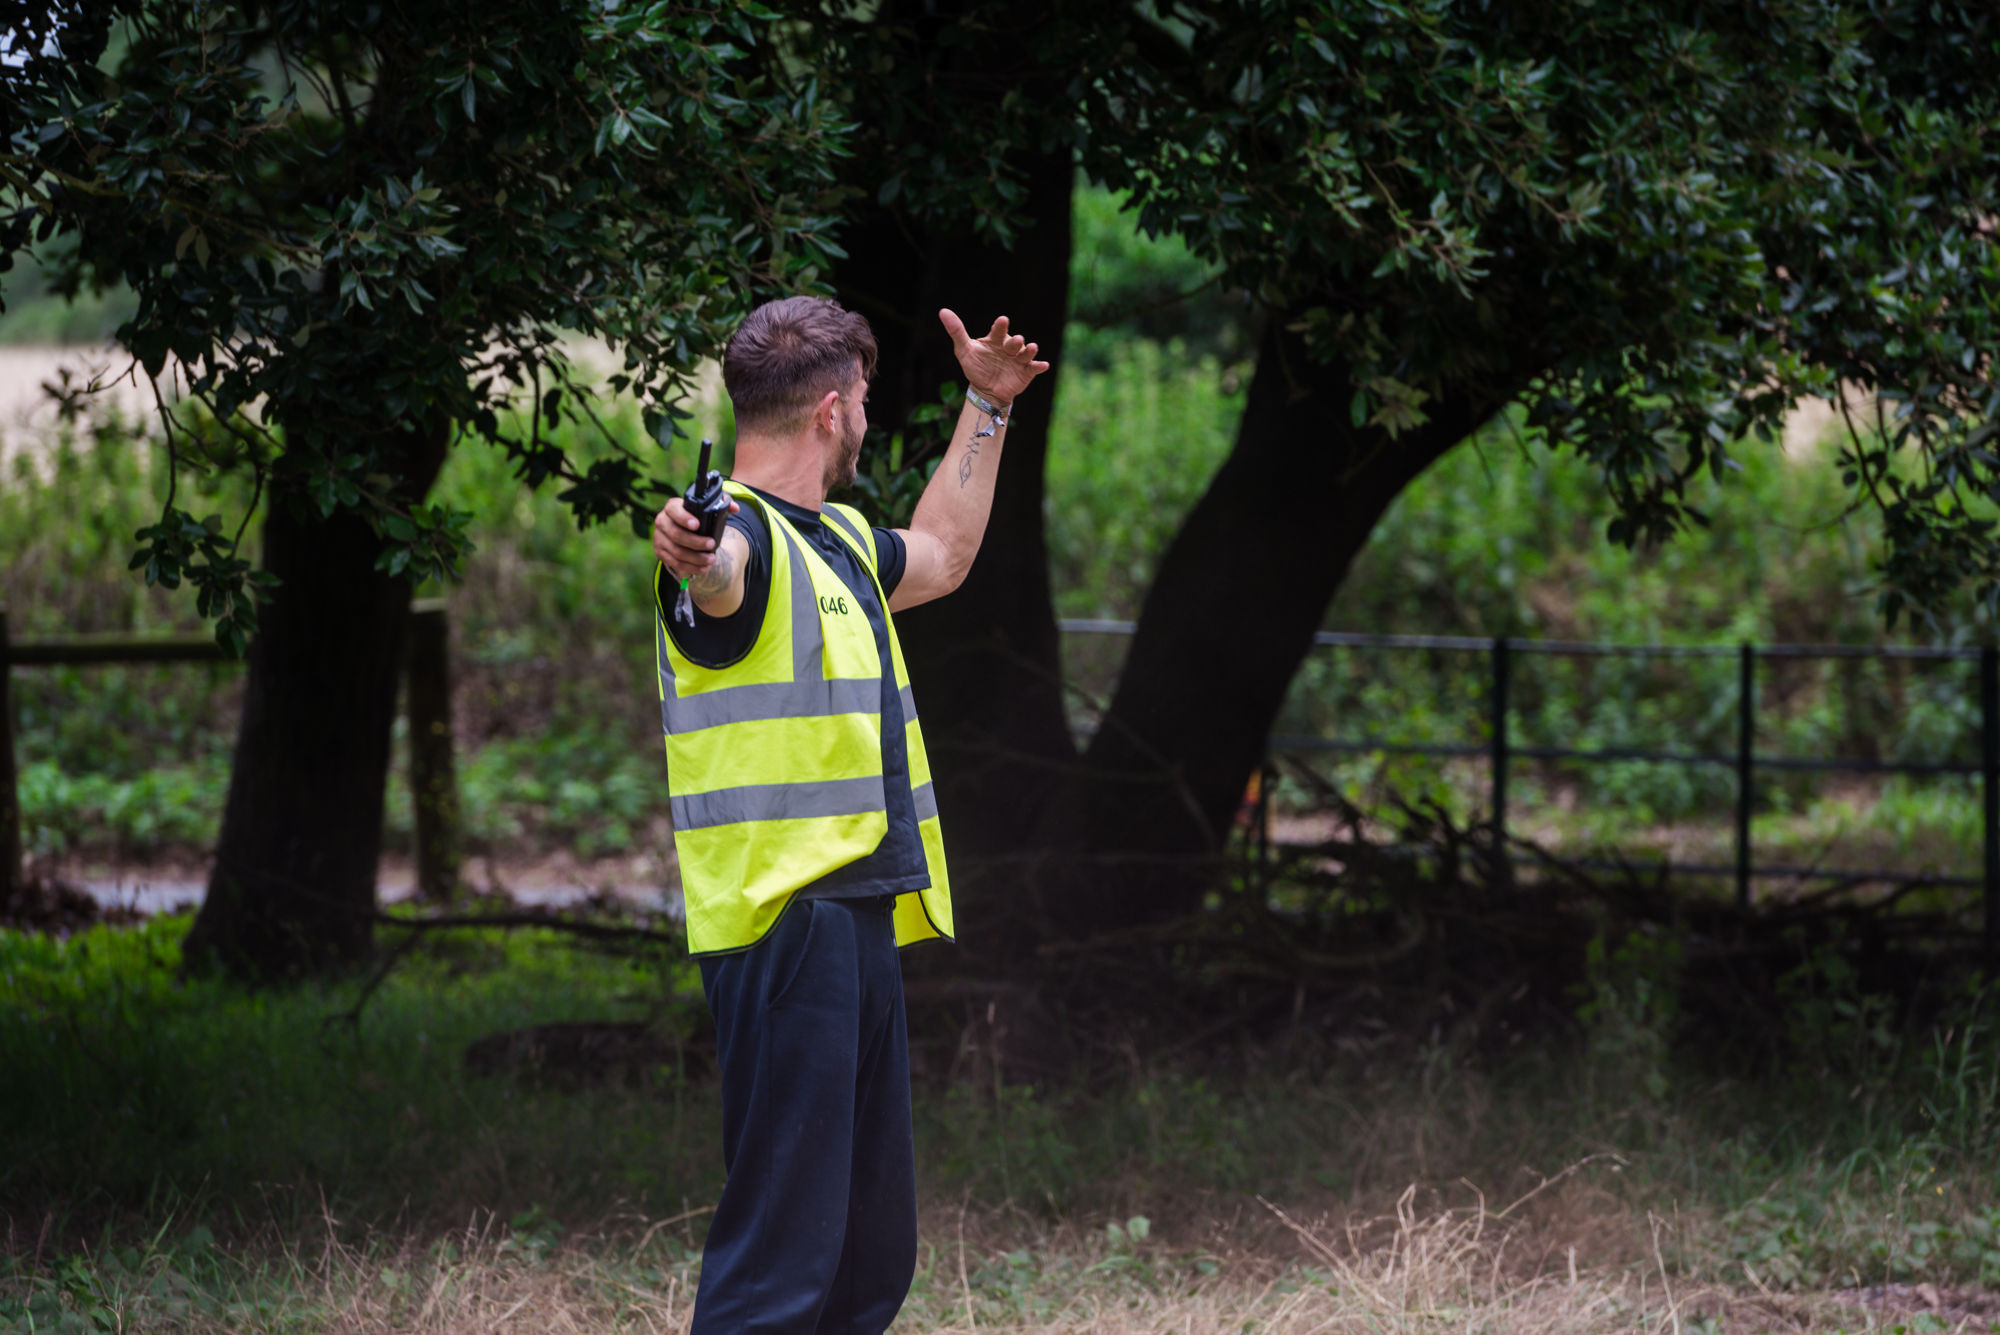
(787, 354)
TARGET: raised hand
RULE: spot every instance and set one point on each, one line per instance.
(1000, 365)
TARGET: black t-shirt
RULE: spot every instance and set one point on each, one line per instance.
(897, 866)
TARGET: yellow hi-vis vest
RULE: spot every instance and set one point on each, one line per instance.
(774, 763)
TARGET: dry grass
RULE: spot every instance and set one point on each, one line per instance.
(1470, 1269)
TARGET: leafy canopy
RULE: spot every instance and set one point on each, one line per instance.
(373, 222)
(1660, 223)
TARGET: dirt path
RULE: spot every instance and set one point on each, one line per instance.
(179, 881)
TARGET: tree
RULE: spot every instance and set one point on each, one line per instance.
(1657, 226)
(375, 223)
(1654, 225)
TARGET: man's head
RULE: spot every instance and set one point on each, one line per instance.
(784, 361)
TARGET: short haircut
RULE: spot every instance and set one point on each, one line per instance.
(787, 354)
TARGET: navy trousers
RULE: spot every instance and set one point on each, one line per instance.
(816, 1233)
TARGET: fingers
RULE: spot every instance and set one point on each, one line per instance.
(998, 339)
(677, 540)
(673, 516)
(1002, 363)
(955, 327)
(1013, 346)
(682, 565)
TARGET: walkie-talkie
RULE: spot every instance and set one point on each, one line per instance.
(708, 502)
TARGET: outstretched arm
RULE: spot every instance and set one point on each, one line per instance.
(950, 521)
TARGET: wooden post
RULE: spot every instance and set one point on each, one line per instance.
(433, 773)
(1267, 776)
(1746, 750)
(1989, 766)
(1501, 672)
(10, 786)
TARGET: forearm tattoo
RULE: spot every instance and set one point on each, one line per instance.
(717, 578)
(965, 463)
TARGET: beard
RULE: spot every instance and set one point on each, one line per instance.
(840, 469)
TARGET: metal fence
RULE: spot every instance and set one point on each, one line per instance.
(432, 766)
(1745, 761)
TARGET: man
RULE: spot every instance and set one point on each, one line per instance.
(803, 811)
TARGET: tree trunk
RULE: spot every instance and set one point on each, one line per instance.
(293, 887)
(985, 664)
(434, 806)
(1228, 619)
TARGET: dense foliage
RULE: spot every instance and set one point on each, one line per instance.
(555, 710)
(1659, 224)
(377, 220)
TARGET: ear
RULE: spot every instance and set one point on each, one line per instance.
(827, 413)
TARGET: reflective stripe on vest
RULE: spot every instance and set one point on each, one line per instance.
(774, 763)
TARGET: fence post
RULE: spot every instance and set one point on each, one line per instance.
(1501, 672)
(10, 786)
(1989, 764)
(1746, 745)
(1267, 775)
(433, 773)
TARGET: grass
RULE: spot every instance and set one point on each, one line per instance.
(1460, 1270)
(122, 1080)
(176, 1154)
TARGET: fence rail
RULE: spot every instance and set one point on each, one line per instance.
(1501, 751)
(433, 781)
(1570, 648)
(432, 773)
(83, 649)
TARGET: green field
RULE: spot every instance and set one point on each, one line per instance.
(178, 1154)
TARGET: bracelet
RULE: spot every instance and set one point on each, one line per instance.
(998, 412)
